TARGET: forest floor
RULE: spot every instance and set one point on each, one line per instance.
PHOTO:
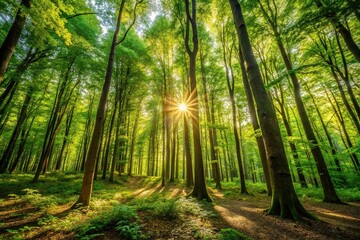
(44, 213)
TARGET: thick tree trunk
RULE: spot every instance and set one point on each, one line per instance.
(284, 199)
(8, 46)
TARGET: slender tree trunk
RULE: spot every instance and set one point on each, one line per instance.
(199, 191)
(212, 130)
(327, 134)
(344, 32)
(86, 189)
(106, 156)
(255, 124)
(133, 140)
(173, 154)
(345, 77)
(115, 155)
(66, 136)
(189, 169)
(5, 159)
(284, 199)
(340, 118)
(293, 148)
(231, 87)
(63, 94)
(328, 187)
(8, 46)
(24, 136)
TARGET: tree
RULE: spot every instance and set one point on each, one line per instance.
(199, 191)
(8, 46)
(272, 19)
(284, 199)
(86, 189)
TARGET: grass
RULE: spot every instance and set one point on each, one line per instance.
(232, 190)
(115, 207)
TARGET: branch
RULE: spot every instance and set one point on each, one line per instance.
(132, 23)
(80, 14)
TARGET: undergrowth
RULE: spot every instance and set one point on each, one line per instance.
(120, 217)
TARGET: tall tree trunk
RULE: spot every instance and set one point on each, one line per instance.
(340, 118)
(199, 191)
(231, 87)
(86, 189)
(286, 120)
(344, 32)
(255, 124)
(5, 159)
(63, 94)
(133, 140)
(8, 46)
(212, 131)
(327, 134)
(106, 156)
(24, 136)
(189, 169)
(345, 77)
(284, 199)
(66, 136)
(328, 187)
(173, 153)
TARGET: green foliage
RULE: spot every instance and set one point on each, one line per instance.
(157, 206)
(345, 194)
(232, 234)
(194, 207)
(122, 217)
(33, 197)
(129, 230)
(47, 220)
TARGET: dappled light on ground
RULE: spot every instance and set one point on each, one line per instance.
(162, 213)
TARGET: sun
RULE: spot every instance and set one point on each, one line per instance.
(182, 107)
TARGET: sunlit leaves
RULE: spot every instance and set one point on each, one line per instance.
(47, 17)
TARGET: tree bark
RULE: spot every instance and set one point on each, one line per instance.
(8, 46)
(88, 179)
(328, 187)
(344, 32)
(199, 191)
(5, 159)
(255, 124)
(284, 199)
(212, 131)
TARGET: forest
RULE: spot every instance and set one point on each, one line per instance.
(179, 119)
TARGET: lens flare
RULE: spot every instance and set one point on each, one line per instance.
(182, 107)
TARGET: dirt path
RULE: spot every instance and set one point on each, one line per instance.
(248, 216)
(200, 221)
